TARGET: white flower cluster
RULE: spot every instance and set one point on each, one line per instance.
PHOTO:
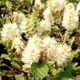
(63, 54)
(48, 48)
(48, 16)
(9, 31)
(18, 45)
(32, 51)
(56, 5)
(39, 47)
(70, 17)
(44, 26)
(12, 31)
(20, 19)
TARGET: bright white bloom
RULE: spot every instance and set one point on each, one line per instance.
(48, 16)
(44, 26)
(50, 46)
(62, 54)
(70, 17)
(18, 45)
(18, 17)
(78, 7)
(56, 5)
(31, 54)
(37, 48)
(46, 48)
(9, 31)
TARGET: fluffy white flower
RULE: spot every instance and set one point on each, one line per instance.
(38, 49)
(18, 45)
(56, 5)
(46, 49)
(18, 17)
(78, 7)
(62, 54)
(50, 46)
(44, 26)
(48, 16)
(9, 31)
(31, 54)
(70, 17)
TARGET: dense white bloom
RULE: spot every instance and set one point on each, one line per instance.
(62, 54)
(37, 48)
(18, 45)
(50, 46)
(31, 54)
(59, 53)
(56, 5)
(46, 48)
(9, 31)
(44, 26)
(70, 17)
(18, 17)
(78, 7)
(48, 16)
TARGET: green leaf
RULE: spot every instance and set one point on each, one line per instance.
(18, 60)
(19, 77)
(8, 5)
(74, 54)
(39, 70)
(15, 65)
(46, 33)
(66, 74)
(58, 20)
(5, 56)
(2, 73)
